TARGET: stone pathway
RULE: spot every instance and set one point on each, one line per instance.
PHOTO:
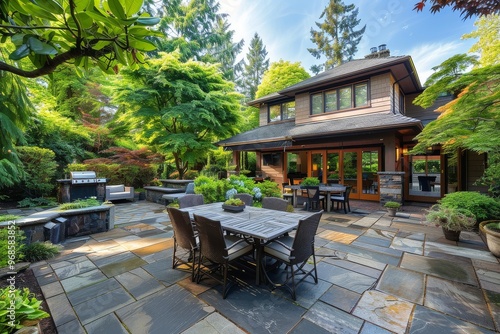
(377, 275)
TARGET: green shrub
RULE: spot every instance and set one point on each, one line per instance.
(5, 218)
(269, 188)
(310, 181)
(38, 251)
(213, 190)
(392, 205)
(79, 204)
(40, 169)
(453, 219)
(36, 202)
(17, 306)
(483, 207)
(11, 246)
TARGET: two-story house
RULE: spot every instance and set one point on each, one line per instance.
(346, 124)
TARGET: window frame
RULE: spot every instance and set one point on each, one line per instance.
(336, 91)
(282, 106)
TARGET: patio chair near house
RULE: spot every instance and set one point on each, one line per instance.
(342, 199)
(274, 203)
(314, 199)
(294, 252)
(246, 198)
(218, 251)
(190, 200)
(184, 238)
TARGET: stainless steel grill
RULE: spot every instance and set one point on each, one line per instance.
(85, 177)
(81, 185)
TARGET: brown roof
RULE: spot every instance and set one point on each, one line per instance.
(274, 134)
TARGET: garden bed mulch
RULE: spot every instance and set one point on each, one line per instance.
(26, 279)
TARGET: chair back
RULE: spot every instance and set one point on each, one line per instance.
(190, 200)
(303, 243)
(274, 203)
(211, 235)
(347, 192)
(312, 193)
(246, 198)
(183, 228)
(190, 188)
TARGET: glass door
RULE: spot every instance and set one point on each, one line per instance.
(370, 162)
(350, 172)
(333, 168)
(424, 177)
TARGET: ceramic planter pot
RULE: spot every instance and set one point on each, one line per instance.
(233, 208)
(391, 212)
(451, 235)
(492, 237)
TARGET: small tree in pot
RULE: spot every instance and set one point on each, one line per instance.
(451, 220)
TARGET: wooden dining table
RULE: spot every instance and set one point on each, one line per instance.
(328, 190)
(261, 225)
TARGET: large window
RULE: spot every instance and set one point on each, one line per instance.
(346, 97)
(283, 111)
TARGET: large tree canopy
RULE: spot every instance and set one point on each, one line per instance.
(280, 75)
(472, 120)
(105, 33)
(180, 108)
(467, 8)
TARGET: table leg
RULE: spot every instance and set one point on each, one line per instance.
(258, 260)
(328, 201)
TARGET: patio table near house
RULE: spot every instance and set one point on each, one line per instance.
(328, 190)
(260, 224)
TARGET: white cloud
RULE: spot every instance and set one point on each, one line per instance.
(427, 56)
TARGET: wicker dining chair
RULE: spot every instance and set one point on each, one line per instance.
(274, 203)
(185, 238)
(294, 252)
(246, 198)
(189, 200)
(343, 199)
(218, 250)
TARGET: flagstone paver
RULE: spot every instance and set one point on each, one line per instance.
(377, 275)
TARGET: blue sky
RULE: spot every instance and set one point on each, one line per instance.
(284, 27)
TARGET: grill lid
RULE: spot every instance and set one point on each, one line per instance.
(83, 175)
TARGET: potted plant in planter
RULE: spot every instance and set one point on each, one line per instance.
(491, 231)
(234, 205)
(310, 181)
(451, 220)
(392, 207)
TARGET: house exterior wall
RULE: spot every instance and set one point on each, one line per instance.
(380, 100)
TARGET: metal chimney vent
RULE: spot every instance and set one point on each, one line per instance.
(373, 50)
(382, 47)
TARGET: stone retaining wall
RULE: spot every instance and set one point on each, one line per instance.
(391, 186)
(57, 226)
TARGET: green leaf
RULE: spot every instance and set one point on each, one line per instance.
(148, 21)
(117, 9)
(142, 45)
(51, 5)
(85, 20)
(132, 7)
(20, 52)
(34, 44)
(119, 54)
(82, 5)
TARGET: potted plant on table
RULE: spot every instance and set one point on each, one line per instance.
(309, 181)
(234, 205)
(392, 207)
(451, 220)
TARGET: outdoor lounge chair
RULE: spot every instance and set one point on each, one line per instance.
(219, 250)
(294, 252)
(185, 238)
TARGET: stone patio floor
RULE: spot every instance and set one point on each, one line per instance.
(378, 274)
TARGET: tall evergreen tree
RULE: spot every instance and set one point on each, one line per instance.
(255, 66)
(336, 38)
(199, 32)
